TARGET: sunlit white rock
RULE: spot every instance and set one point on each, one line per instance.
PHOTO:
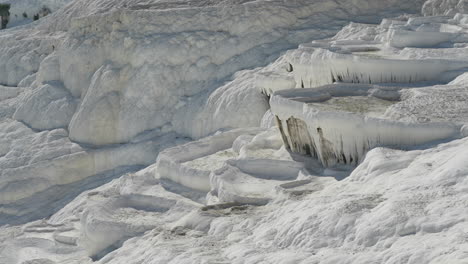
(344, 130)
(179, 164)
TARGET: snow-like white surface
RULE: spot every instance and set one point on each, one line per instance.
(47, 107)
(386, 53)
(317, 66)
(188, 49)
(35, 164)
(396, 206)
(97, 98)
(337, 125)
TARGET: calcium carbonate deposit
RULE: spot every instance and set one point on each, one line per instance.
(233, 131)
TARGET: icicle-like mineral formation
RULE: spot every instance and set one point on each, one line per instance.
(340, 123)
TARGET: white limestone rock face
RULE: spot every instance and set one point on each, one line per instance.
(392, 52)
(336, 124)
(21, 55)
(140, 69)
(249, 181)
(234, 105)
(175, 66)
(316, 66)
(398, 198)
(444, 7)
(268, 120)
(34, 163)
(49, 69)
(9, 92)
(19, 150)
(178, 65)
(48, 107)
(276, 76)
(99, 113)
(109, 221)
(179, 164)
(28, 80)
(313, 121)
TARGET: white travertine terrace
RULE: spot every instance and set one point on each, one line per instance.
(178, 164)
(143, 131)
(341, 122)
(356, 122)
